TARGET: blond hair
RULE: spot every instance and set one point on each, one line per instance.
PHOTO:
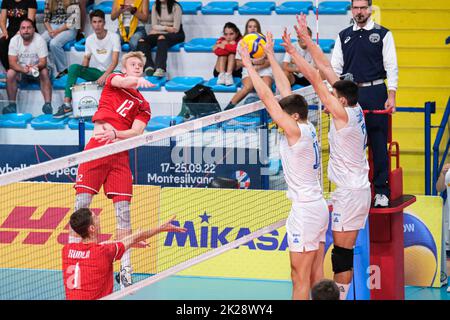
(133, 54)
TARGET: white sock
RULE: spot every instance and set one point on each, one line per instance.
(74, 239)
(343, 290)
(126, 261)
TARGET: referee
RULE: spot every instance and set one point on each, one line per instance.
(367, 51)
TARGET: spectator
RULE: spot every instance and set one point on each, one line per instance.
(28, 62)
(12, 14)
(225, 50)
(367, 51)
(62, 21)
(290, 69)
(132, 15)
(101, 56)
(262, 65)
(167, 30)
(325, 290)
(443, 184)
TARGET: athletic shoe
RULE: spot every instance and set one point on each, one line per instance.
(149, 71)
(221, 78)
(159, 73)
(10, 108)
(62, 73)
(229, 79)
(381, 201)
(124, 277)
(63, 111)
(47, 108)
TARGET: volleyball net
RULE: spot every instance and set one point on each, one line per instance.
(220, 175)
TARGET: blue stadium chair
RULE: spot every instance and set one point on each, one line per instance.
(296, 87)
(333, 7)
(46, 121)
(261, 8)
(294, 7)
(69, 45)
(223, 88)
(73, 124)
(200, 45)
(175, 48)
(220, 7)
(105, 6)
(15, 120)
(125, 47)
(183, 83)
(242, 122)
(60, 84)
(157, 81)
(3, 83)
(161, 122)
(40, 6)
(80, 45)
(190, 7)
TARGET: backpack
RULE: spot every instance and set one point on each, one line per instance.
(198, 102)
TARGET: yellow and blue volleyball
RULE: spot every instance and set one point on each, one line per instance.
(254, 42)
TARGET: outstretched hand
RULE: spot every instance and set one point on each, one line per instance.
(302, 27)
(243, 50)
(144, 83)
(268, 47)
(169, 227)
(287, 43)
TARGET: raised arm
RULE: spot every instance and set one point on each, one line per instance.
(281, 81)
(331, 103)
(318, 56)
(281, 118)
(131, 82)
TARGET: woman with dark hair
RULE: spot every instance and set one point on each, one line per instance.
(225, 50)
(167, 30)
(13, 12)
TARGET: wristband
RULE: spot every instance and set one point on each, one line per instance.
(115, 135)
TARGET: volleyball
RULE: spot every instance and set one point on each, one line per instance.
(254, 42)
(243, 179)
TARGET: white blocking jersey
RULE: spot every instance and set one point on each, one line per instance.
(301, 164)
(348, 166)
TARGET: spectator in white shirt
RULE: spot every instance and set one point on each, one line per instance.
(27, 56)
(101, 56)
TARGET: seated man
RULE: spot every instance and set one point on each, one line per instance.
(101, 54)
(291, 70)
(27, 57)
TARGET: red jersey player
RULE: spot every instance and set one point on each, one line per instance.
(122, 113)
(88, 265)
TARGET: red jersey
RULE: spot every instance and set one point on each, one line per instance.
(229, 48)
(120, 107)
(88, 269)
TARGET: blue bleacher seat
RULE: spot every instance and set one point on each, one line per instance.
(125, 47)
(260, 7)
(294, 7)
(325, 44)
(73, 124)
(15, 120)
(242, 122)
(161, 122)
(175, 48)
(200, 45)
(46, 121)
(334, 7)
(80, 45)
(296, 87)
(105, 6)
(220, 7)
(60, 84)
(183, 83)
(3, 82)
(69, 45)
(157, 81)
(223, 88)
(190, 7)
(40, 6)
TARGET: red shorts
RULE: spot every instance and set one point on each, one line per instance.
(113, 172)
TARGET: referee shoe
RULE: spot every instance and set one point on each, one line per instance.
(124, 277)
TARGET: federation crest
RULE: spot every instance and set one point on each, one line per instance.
(374, 38)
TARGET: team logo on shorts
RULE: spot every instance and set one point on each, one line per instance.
(336, 217)
(296, 240)
(243, 179)
(374, 38)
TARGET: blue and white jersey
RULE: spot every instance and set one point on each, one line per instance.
(348, 167)
(301, 164)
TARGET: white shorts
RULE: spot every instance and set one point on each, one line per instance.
(266, 72)
(350, 209)
(307, 225)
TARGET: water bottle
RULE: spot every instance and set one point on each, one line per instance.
(35, 72)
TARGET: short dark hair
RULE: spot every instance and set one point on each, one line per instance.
(295, 103)
(348, 90)
(80, 221)
(28, 20)
(325, 290)
(97, 13)
(369, 2)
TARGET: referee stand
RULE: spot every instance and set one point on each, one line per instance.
(386, 228)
